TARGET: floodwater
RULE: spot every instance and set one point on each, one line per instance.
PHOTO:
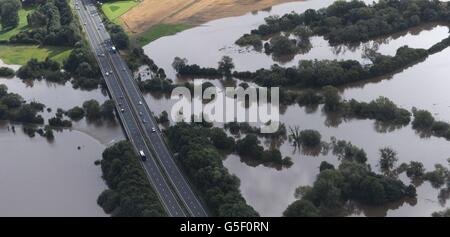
(216, 39)
(270, 190)
(49, 178)
(53, 178)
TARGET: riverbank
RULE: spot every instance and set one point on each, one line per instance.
(152, 19)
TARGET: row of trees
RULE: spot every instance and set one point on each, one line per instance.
(319, 73)
(197, 148)
(48, 69)
(311, 73)
(353, 21)
(224, 68)
(381, 109)
(129, 193)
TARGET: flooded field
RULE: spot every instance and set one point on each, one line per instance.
(49, 178)
(270, 190)
(53, 178)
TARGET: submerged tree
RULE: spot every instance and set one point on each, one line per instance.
(388, 159)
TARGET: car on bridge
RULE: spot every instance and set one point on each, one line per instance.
(142, 154)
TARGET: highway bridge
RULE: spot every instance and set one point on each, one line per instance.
(173, 189)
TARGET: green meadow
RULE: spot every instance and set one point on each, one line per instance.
(20, 54)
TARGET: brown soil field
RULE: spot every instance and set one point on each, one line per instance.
(191, 12)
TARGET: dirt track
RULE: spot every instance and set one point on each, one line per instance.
(193, 12)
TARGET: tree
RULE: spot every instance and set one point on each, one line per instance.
(388, 159)
(179, 63)
(332, 99)
(92, 109)
(76, 113)
(325, 166)
(225, 66)
(12, 100)
(3, 90)
(220, 139)
(346, 151)
(9, 13)
(415, 170)
(120, 39)
(422, 119)
(310, 138)
(107, 109)
(249, 146)
(6, 72)
(301, 208)
(444, 213)
(163, 117)
(281, 45)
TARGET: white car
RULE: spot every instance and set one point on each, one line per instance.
(153, 129)
(140, 102)
(107, 73)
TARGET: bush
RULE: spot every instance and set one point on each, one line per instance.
(422, 119)
(76, 113)
(310, 138)
(252, 40)
(7, 72)
(58, 122)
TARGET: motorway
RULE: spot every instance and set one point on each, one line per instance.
(172, 188)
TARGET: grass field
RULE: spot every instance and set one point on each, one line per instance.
(113, 10)
(20, 54)
(160, 30)
(7, 34)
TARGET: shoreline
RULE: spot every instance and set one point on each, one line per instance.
(194, 12)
